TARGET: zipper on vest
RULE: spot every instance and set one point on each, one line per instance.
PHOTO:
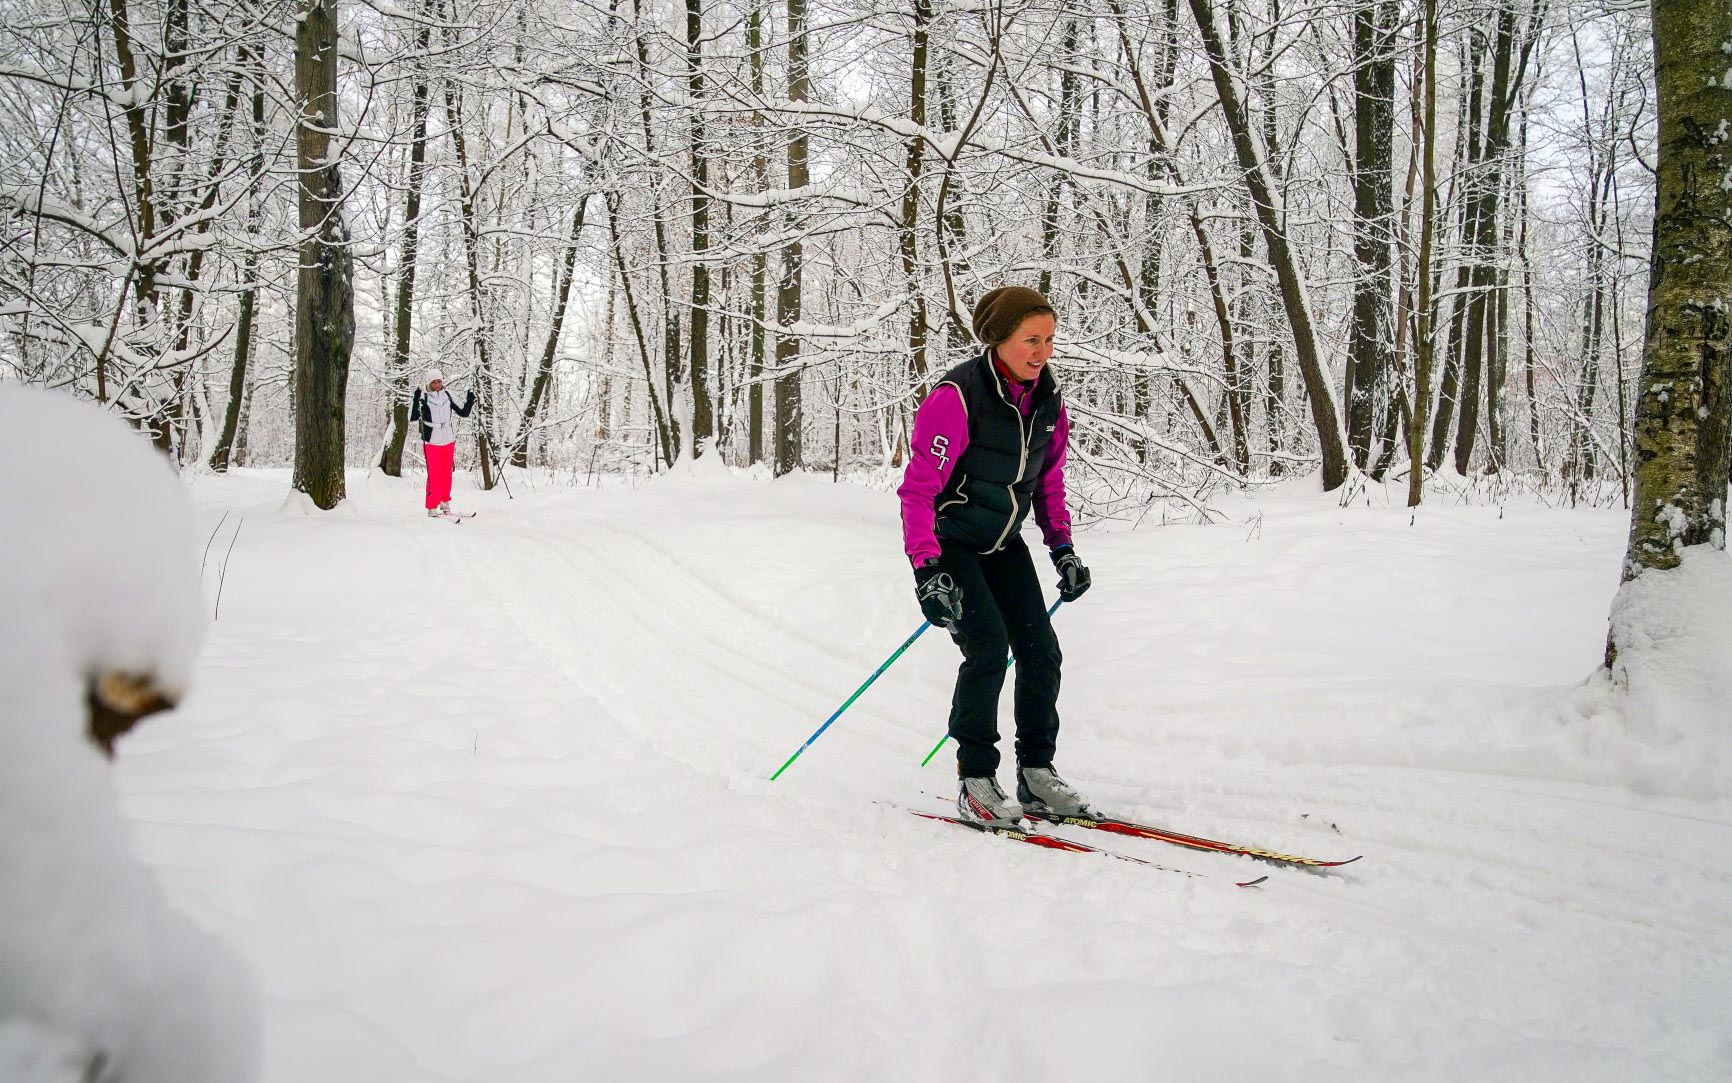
(1021, 460)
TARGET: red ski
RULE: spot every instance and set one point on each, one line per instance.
(1053, 842)
(1214, 846)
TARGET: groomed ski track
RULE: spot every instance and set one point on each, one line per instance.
(492, 803)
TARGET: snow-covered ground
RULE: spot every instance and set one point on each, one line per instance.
(490, 802)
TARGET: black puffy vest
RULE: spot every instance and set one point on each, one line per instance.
(991, 489)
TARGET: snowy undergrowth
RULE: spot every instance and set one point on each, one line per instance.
(489, 801)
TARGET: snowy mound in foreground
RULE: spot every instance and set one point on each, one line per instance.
(99, 977)
(1671, 684)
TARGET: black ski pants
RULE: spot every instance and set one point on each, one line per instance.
(1002, 610)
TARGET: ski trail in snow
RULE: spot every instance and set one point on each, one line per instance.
(492, 804)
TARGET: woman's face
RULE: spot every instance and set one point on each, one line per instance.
(1027, 349)
(436, 386)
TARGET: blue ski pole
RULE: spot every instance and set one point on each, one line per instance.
(909, 642)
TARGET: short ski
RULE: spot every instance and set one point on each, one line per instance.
(1161, 834)
(1053, 842)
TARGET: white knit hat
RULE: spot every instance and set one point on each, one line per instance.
(433, 374)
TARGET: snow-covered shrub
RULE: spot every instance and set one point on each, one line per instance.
(100, 977)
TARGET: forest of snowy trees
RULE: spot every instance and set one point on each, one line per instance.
(642, 232)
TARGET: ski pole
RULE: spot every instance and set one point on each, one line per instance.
(909, 642)
(1008, 662)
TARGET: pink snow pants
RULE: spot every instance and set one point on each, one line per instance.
(440, 458)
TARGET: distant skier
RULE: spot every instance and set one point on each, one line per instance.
(433, 408)
(988, 446)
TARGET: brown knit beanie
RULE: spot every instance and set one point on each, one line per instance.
(997, 315)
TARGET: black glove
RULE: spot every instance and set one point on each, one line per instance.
(939, 596)
(1073, 577)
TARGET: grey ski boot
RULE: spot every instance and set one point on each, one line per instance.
(1040, 790)
(981, 800)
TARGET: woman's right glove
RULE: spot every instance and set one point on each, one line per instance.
(1074, 578)
(939, 596)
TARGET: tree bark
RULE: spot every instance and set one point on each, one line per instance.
(760, 259)
(1681, 403)
(658, 417)
(1065, 144)
(224, 450)
(789, 421)
(325, 295)
(703, 411)
(478, 308)
(398, 365)
(1271, 221)
(909, 233)
(1370, 352)
(1487, 190)
(1422, 335)
(550, 345)
(1235, 393)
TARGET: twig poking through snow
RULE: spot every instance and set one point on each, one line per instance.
(223, 571)
(204, 560)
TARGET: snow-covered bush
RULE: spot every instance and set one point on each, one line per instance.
(100, 978)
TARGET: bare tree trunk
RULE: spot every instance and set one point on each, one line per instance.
(1270, 218)
(221, 454)
(1681, 405)
(1422, 335)
(760, 260)
(1145, 298)
(951, 230)
(703, 411)
(1235, 406)
(1399, 416)
(910, 225)
(1582, 451)
(789, 421)
(478, 309)
(673, 373)
(325, 297)
(1065, 144)
(143, 210)
(550, 346)
(397, 365)
(1370, 354)
(1488, 181)
(658, 417)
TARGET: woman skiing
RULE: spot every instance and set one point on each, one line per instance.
(433, 409)
(989, 446)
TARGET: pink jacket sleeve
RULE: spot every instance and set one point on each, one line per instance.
(1050, 512)
(940, 437)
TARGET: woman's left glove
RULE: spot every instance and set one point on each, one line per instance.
(1073, 576)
